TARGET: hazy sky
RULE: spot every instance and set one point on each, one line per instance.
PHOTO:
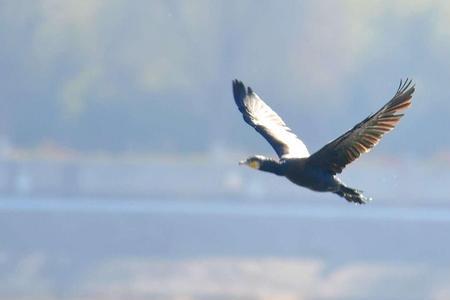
(161, 71)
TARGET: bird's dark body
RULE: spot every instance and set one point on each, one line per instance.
(303, 173)
(300, 172)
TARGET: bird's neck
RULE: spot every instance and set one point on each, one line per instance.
(272, 166)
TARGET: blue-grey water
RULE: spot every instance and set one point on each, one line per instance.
(50, 247)
(222, 207)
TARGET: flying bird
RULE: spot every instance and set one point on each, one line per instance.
(317, 171)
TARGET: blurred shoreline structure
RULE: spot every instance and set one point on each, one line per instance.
(55, 173)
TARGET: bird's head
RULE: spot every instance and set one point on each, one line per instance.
(253, 162)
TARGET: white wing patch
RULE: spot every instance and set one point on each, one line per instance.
(273, 128)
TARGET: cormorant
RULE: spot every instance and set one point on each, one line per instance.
(317, 171)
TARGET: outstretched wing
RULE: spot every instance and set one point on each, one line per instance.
(335, 155)
(267, 122)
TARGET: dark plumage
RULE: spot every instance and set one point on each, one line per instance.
(317, 171)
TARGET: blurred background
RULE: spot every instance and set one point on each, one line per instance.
(119, 143)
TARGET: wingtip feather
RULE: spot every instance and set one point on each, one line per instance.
(238, 92)
(406, 86)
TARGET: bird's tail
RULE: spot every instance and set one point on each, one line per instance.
(352, 195)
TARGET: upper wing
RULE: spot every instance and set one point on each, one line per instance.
(335, 155)
(261, 117)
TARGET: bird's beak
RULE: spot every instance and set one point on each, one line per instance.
(242, 162)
